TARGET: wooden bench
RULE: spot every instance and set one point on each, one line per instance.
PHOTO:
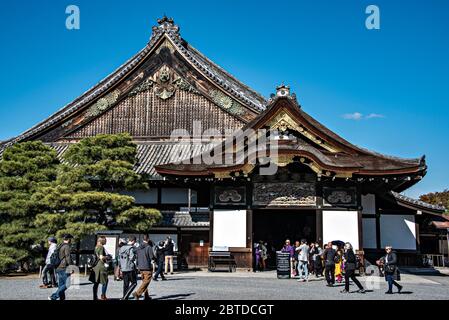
(221, 258)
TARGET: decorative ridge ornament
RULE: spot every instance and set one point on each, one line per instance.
(166, 25)
(164, 84)
(283, 91)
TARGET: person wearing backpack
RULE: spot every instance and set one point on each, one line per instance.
(49, 270)
(127, 259)
(61, 260)
(145, 256)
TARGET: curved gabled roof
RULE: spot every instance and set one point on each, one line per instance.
(166, 28)
(320, 145)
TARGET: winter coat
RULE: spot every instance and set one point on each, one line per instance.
(170, 248)
(391, 259)
(160, 253)
(52, 249)
(289, 249)
(65, 257)
(145, 256)
(127, 258)
(100, 270)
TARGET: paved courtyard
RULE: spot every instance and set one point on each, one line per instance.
(239, 286)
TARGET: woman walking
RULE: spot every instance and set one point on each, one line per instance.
(349, 261)
(390, 262)
(99, 273)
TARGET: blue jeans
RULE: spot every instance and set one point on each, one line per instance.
(62, 285)
(159, 271)
(303, 268)
(104, 287)
(391, 282)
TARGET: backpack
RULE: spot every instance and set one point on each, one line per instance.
(55, 261)
(125, 257)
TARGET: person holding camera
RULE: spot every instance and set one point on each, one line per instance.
(99, 273)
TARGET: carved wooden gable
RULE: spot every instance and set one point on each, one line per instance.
(157, 105)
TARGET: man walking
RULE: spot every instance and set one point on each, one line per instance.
(62, 260)
(145, 256)
(329, 264)
(160, 256)
(48, 273)
(303, 260)
(127, 258)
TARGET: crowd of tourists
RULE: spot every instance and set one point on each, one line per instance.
(146, 259)
(338, 262)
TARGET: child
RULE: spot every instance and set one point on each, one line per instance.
(338, 266)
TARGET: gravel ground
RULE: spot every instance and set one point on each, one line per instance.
(238, 286)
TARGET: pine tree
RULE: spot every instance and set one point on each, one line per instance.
(85, 196)
(24, 169)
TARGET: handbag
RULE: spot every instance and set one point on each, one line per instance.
(390, 268)
(92, 277)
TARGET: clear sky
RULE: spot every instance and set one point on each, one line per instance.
(386, 90)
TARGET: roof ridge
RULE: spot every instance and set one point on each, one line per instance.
(424, 204)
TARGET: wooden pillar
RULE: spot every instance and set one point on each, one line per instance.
(418, 242)
(319, 226)
(360, 230)
(211, 229)
(249, 229)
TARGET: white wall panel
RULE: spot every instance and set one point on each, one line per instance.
(229, 228)
(341, 225)
(398, 231)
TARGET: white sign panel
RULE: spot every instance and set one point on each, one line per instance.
(341, 225)
(398, 231)
(229, 228)
(111, 246)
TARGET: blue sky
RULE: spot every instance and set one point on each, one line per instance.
(386, 90)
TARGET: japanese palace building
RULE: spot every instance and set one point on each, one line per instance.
(324, 189)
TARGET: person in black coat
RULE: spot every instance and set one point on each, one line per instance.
(160, 257)
(390, 264)
(350, 262)
(169, 253)
(329, 264)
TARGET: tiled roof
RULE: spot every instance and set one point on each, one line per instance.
(417, 203)
(150, 154)
(184, 219)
